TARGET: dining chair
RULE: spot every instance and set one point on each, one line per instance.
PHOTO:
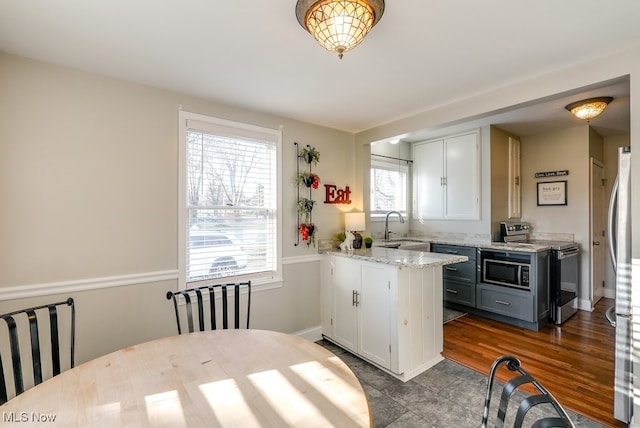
(36, 336)
(217, 295)
(549, 413)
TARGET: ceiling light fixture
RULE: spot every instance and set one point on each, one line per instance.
(339, 25)
(589, 108)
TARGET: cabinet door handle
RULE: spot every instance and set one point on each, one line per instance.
(353, 297)
(452, 291)
(452, 269)
(517, 180)
(500, 302)
(357, 299)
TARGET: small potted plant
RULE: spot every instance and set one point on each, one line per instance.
(305, 206)
(367, 241)
(310, 154)
(309, 179)
(307, 233)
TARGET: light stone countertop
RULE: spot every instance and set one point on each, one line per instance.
(398, 257)
(529, 247)
(453, 239)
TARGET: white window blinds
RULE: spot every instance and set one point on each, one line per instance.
(231, 200)
(388, 187)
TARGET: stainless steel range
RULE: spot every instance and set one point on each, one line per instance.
(563, 270)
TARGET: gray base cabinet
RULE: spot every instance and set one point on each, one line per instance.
(463, 289)
(459, 279)
(506, 301)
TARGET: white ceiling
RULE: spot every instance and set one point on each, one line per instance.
(253, 54)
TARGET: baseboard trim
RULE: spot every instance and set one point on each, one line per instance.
(313, 334)
(585, 305)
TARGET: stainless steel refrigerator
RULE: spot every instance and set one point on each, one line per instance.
(619, 225)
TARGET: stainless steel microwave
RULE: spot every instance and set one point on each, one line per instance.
(508, 273)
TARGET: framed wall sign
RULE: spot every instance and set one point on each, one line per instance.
(552, 193)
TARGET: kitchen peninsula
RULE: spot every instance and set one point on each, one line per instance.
(385, 305)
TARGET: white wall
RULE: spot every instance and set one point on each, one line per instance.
(88, 184)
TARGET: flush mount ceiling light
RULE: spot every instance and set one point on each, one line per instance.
(590, 108)
(339, 25)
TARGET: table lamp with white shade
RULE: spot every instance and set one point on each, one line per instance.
(354, 223)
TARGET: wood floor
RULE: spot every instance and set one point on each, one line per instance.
(573, 361)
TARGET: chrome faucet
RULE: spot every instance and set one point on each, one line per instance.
(386, 223)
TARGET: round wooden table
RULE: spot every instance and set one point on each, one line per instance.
(221, 378)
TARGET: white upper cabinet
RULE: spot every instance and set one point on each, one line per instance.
(514, 179)
(428, 175)
(446, 178)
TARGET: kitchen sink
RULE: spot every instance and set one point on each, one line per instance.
(404, 245)
(388, 245)
(417, 246)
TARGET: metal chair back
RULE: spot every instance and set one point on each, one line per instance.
(549, 413)
(192, 305)
(29, 336)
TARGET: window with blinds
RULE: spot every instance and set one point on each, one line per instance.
(388, 187)
(230, 199)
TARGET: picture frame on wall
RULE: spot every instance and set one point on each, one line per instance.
(552, 193)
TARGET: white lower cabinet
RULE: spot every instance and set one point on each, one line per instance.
(374, 322)
(390, 316)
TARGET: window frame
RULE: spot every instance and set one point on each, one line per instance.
(391, 166)
(238, 130)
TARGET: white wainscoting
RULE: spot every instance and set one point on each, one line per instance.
(65, 287)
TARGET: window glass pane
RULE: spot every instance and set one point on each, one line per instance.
(388, 188)
(231, 204)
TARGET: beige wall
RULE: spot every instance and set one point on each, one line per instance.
(88, 176)
(526, 90)
(529, 89)
(596, 145)
(567, 149)
(88, 183)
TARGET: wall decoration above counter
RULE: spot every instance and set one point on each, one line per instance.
(552, 193)
(552, 174)
(306, 229)
(333, 195)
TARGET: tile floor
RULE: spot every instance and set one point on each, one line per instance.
(447, 395)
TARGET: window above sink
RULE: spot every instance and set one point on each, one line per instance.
(389, 188)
